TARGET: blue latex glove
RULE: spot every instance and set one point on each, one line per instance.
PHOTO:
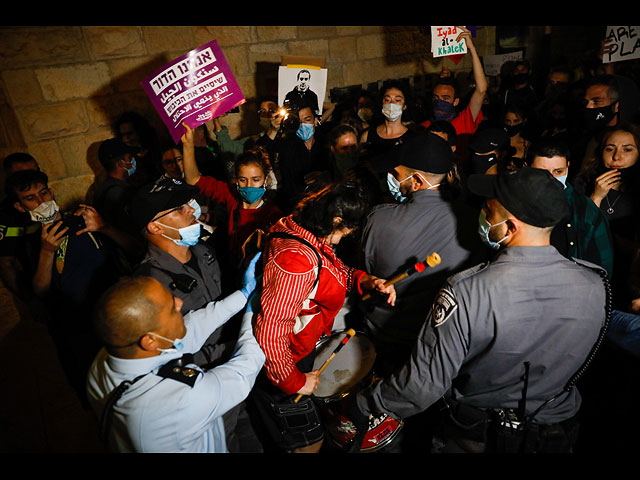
(249, 282)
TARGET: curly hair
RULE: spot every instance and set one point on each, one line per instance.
(257, 156)
(316, 212)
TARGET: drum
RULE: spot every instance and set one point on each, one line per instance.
(350, 371)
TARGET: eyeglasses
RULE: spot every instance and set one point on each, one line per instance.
(181, 208)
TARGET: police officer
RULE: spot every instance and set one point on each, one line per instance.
(144, 385)
(504, 340)
(425, 219)
(167, 215)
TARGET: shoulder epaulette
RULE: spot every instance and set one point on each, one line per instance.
(179, 370)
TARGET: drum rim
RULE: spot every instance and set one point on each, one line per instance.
(324, 339)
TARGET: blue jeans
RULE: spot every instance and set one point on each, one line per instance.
(624, 331)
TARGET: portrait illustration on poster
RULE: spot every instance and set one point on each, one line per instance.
(194, 88)
(302, 85)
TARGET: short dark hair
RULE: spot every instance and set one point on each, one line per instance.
(443, 126)
(317, 210)
(340, 130)
(23, 180)
(448, 81)
(17, 157)
(609, 81)
(547, 147)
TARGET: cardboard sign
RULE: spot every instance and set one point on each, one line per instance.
(493, 63)
(193, 88)
(624, 42)
(443, 41)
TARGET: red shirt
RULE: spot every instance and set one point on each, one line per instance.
(242, 221)
(463, 122)
(294, 314)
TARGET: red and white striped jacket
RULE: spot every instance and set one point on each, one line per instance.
(294, 313)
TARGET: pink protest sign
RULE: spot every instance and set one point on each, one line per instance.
(194, 88)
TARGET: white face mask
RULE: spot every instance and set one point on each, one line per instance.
(392, 111)
(46, 212)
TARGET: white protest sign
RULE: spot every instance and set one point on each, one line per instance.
(443, 41)
(624, 42)
(493, 63)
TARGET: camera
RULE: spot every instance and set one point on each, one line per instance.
(290, 120)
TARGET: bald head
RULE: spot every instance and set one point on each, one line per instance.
(126, 312)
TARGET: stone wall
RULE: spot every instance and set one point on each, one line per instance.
(61, 87)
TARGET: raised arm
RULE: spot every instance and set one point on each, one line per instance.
(477, 98)
(191, 172)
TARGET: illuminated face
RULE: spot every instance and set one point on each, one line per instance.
(556, 166)
(620, 150)
(393, 95)
(445, 93)
(511, 119)
(250, 175)
(597, 96)
(31, 198)
(347, 143)
(177, 218)
(172, 163)
(306, 116)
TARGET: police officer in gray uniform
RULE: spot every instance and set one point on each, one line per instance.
(167, 212)
(505, 341)
(427, 218)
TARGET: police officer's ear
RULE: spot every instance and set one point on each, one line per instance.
(513, 227)
(148, 342)
(154, 229)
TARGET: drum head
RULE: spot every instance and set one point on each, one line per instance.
(351, 365)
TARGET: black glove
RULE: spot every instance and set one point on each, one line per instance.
(360, 421)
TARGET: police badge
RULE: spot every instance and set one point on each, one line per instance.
(444, 306)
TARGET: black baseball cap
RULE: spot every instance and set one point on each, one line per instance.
(157, 197)
(489, 139)
(424, 151)
(532, 195)
(114, 148)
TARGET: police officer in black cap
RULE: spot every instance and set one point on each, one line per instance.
(490, 150)
(504, 342)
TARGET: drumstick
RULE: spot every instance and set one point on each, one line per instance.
(350, 333)
(431, 261)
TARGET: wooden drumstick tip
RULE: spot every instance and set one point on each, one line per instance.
(433, 259)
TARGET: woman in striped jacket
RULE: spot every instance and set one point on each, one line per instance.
(304, 286)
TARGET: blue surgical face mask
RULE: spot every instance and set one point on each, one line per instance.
(196, 207)
(178, 346)
(563, 180)
(305, 131)
(132, 170)
(394, 187)
(483, 229)
(189, 236)
(251, 194)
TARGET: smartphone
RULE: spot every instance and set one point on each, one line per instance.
(75, 223)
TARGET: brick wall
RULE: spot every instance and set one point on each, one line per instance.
(62, 87)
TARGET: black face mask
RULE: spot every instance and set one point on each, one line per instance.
(480, 163)
(520, 78)
(597, 118)
(513, 129)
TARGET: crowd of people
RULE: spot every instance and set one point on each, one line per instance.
(188, 294)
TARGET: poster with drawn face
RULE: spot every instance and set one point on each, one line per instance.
(302, 85)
